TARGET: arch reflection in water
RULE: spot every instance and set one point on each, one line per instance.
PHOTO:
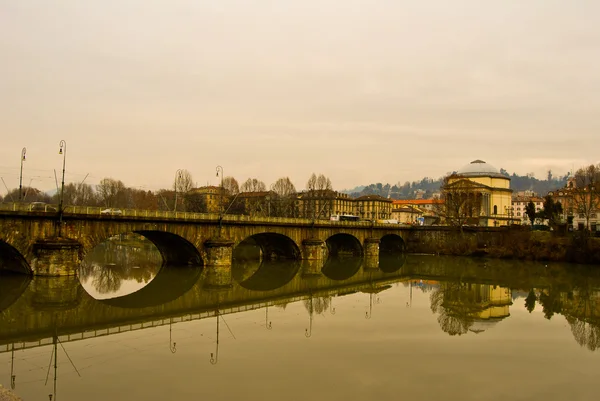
(341, 268)
(119, 266)
(12, 286)
(264, 275)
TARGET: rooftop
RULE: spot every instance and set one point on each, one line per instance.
(479, 168)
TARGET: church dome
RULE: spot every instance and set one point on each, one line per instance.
(479, 168)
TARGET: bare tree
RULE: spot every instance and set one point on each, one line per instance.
(461, 201)
(586, 192)
(318, 198)
(182, 184)
(231, 186)
(253, 185)
(284, 191)
(111, 192)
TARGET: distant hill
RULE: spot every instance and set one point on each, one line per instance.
(428, 186)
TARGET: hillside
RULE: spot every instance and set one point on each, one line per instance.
(428, 186)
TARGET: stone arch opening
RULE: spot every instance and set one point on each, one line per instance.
(340, 268)
(392, 253)
(266, 246)
(344, 245)
(11, 260)
(175, 250)
(391, 243)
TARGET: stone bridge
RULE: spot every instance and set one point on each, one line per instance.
(37, 243)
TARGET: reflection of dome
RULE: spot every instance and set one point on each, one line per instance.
(480, 325)
(478, 168)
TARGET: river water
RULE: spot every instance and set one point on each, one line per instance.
(426, 328)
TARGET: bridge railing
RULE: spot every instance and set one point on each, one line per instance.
(186, 216)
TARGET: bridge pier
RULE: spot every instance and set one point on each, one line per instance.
(314, 254)
(371, 253)
(219, 257)
(56, 257)
(56, 294)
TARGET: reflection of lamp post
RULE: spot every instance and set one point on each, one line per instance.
(369, 313)
(214, 358)
(331, 309)
(21, 174)
(172, 344)
(63, 145)
(219, 168)
(177, 180)
(308, 332)
(12, 363)
(267, 322)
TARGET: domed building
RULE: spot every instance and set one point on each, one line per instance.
(479, 194)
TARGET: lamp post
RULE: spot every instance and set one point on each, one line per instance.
(177, 179)
(219, 168)
(21, 174)
(62, 151)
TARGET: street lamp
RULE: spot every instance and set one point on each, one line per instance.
(21, 174)
(178, 175)
(219, 168)
(63, 145)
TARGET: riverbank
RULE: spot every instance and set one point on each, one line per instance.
(519, 243)
(7, 395)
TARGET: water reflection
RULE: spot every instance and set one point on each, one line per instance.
(467, 307)
(264, 275)
(119, 266)
(461, 297)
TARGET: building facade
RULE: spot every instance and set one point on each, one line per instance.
(488, 193)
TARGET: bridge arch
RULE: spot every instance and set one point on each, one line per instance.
(392, 253)
(344, 245)
(267, 246)
(12, 260)
(175, 250)
(391, 243)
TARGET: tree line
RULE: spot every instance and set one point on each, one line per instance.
(428, 186)
(182, 196)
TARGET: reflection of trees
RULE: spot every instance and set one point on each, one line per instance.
(586, 334)
(461, 305)
(450, 301)
(116, 260)
(581, 308)
(317, 305)
(551, 302)
(530, 301)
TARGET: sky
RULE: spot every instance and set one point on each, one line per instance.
(360, 91)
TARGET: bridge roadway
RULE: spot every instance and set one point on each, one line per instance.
(34, 310)
(36, 243)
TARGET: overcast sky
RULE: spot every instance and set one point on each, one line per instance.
(361, 91)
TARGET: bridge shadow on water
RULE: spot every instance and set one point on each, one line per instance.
(12, 287)
(170, 283)
(264, 275)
